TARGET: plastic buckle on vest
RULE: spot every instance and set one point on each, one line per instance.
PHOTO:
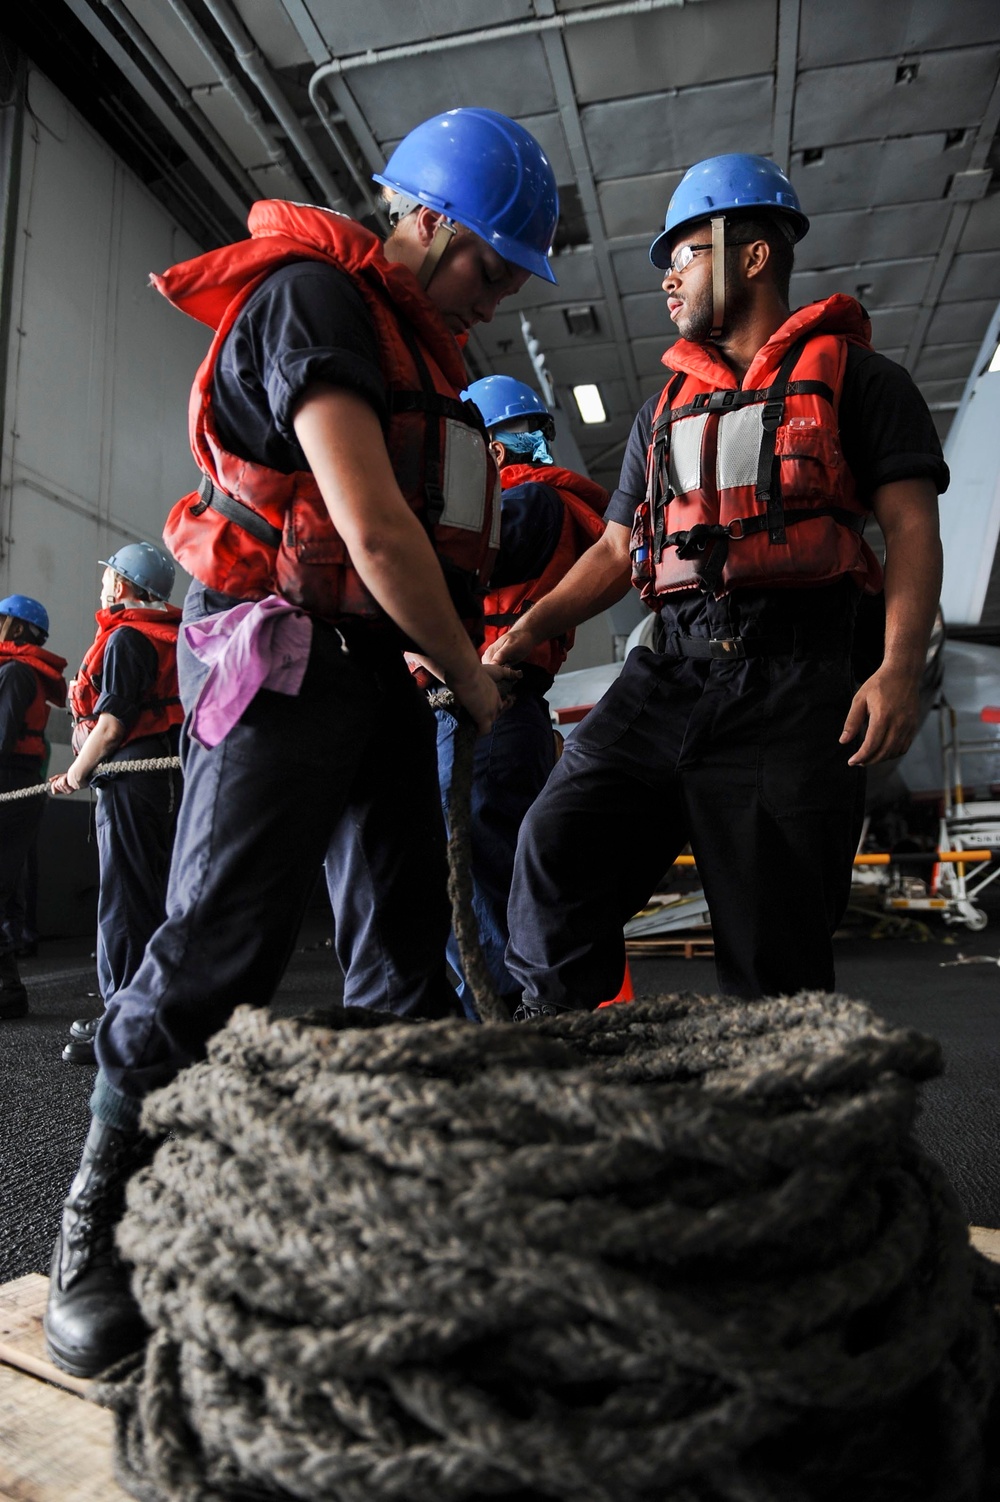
(771, 416)
(727, 646)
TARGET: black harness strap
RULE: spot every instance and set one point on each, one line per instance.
(235, 511)
(658, 491)
(768, 488)
(727, 401)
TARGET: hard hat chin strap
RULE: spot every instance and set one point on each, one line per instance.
(718, 276)
(442, 237)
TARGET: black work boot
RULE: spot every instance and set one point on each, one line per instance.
(92, 1320)
(80, 1048)
(13, 996)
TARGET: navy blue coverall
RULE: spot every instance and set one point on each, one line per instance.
(346, 771)
(740, 758)
(135, 820)
(19, 819)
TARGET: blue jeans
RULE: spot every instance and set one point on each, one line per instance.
(510, 768)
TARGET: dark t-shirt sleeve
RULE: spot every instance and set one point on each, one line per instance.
(632, 482)
(17, 690)
(128, 676)
(307, 322)
(886, 430)
(530, 522)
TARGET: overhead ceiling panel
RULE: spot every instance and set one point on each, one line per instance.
(892, 326)
(511, 76)
(232, 124)
(575, 365)
(633, 269)
(174, 44)
(350, 26)
(646, 313)
(633, 205)
(633, 136)
(878, 172)
(672, 49)
(871, 234)
(648, 352)
(576, 281)
(878, 284)
(982, 228)
(864, 101)
(272, 30)
(940, 361)
(961, 322)
(976, 274)
(856, 29)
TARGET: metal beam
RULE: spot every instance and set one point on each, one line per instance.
(965, 188)
(191, 144)
(785, 73)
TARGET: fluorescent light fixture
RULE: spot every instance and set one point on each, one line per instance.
(589, 404)
(993, 365)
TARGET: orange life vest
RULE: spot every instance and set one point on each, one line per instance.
(746, 486)
(252, 531)
(50, 688)
(162, 708)
(584, 503)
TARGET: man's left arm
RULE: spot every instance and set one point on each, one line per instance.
(885, 707)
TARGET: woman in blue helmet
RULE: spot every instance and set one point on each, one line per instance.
(739, 517)
(126, 707)
(31, 680)
(340, 473)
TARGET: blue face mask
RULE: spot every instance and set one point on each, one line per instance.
(531, 448)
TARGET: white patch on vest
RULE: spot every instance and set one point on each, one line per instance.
(685, 453)
(497, 507)
(464, 478)
(739, 446)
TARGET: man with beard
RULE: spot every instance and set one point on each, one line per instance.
(739, 516)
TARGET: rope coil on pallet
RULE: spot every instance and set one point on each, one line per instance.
(683, 1250)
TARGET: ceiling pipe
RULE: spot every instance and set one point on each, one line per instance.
(180, 94)
(257, 69)
(560, 22)
(277, 156)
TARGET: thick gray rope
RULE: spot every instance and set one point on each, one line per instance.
(103, 769)
(683, 1250)
(489, 1006)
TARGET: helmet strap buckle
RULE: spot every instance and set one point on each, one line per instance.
(441, 239)
(718, 275)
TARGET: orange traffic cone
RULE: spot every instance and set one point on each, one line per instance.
(625, 994)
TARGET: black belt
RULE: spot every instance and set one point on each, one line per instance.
(792, 643)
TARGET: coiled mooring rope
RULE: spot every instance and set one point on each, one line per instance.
(488, 1005)
(676, 1251)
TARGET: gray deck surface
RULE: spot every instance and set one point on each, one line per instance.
(43, 1102)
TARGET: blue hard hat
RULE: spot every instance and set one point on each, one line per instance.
(722, 185)
(502, 399)
(487, 172)
(145, 567)
(24, 608)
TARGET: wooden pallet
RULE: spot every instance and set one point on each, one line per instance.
(55, 1447)
(683, 946)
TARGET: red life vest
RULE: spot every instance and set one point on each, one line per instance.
(584, 503)
(50, 688)
(746, 486)
(162, 708)
(252, 531)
